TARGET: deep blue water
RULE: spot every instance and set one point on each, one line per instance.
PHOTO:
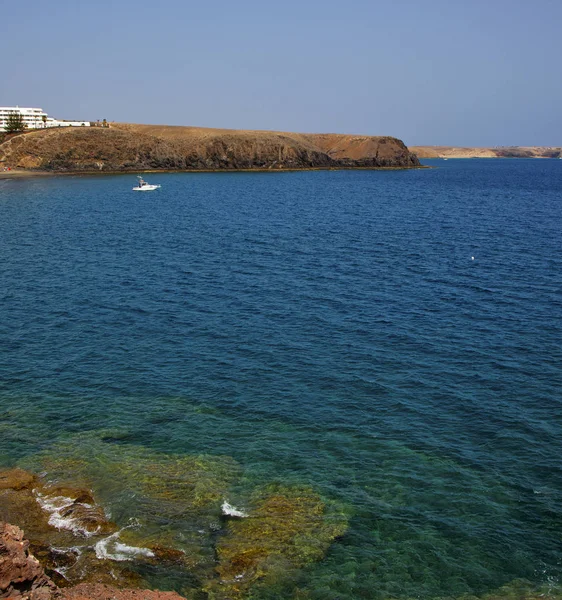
(391, 339)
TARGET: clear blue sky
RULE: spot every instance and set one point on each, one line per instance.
(455, 72)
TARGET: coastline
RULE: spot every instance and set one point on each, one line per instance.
(24, 173)
(58, 543)
(144, 148)
(451, 152)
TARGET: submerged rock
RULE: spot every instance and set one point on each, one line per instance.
(40, 507)
(19, 504)
(521, 589)
(173, 500)
(61, 524)
(174, 520)
(17, 479)
(172, 506)
(287, 529)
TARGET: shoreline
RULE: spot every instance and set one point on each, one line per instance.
(490, 157)
(20, 173)
(23, 173)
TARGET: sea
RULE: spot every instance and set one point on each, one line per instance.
(384, 346)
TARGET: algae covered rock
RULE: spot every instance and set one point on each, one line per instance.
(62, 526)
(168, 518)
(167, 504)
(16, 479)
(288, 528)
(74, 509)
(521, 589)
(103, 461)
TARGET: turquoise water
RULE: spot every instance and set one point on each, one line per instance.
(390, 340)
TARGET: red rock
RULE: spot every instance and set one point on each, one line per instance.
(23, 578)
(21, 575)
(99, 591)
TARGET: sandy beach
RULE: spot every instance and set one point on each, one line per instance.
(19, 173)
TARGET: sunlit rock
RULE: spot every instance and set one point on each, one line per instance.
(21, 575)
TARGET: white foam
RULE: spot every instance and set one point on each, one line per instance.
(75, 549)
(54, 505)
(230, 511)
(111, 548)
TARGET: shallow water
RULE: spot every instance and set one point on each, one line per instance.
(390, 340)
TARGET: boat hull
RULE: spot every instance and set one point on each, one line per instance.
(146, 188)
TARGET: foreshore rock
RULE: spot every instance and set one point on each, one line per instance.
(23, 578)
(21, 575)
(56, 520)
(281, 530)
(129, 147)
(100, 591)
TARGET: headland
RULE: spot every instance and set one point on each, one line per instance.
(125, 147)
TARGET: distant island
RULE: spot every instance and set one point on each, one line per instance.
(124, 147)
(490, 152)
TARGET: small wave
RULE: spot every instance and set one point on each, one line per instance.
(111, 548)
(230, 511)
(55, 506)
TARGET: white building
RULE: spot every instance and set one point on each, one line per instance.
(54, 123)
(32, 117)
(36, 118)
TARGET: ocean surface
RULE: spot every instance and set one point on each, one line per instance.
(388, 341)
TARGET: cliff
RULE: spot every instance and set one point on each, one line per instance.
(129, 147)
(495, 152)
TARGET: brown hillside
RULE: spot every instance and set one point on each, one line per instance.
(130, 147)
(360, 148)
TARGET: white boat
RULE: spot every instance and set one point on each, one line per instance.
(143, 186)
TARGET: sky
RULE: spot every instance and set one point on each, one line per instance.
(431, 72)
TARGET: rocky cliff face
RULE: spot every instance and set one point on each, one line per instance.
(126, 147)
(365, 151)
(21, 575)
